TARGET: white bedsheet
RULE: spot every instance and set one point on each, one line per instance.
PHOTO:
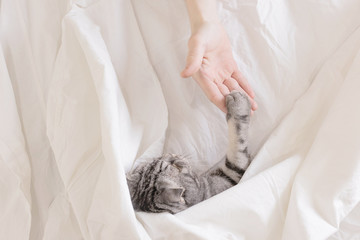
(87, 87)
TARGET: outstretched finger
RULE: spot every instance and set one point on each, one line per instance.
(244, 84)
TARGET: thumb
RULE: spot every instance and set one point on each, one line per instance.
(194, 58)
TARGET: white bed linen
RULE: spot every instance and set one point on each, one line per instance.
(87, 87)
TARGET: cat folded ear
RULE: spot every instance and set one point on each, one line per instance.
(173, 195)
(181, 164)
(166, 184)
(177, 161)
(170, 192)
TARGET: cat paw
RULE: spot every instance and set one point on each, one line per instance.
(238, 106)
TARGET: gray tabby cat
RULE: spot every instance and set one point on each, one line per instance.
(167, 184)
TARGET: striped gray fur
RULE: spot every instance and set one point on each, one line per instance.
(167, 183)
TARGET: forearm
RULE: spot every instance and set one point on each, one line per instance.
(201, 11)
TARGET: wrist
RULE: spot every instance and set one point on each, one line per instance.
(196, 25)
(201, 12)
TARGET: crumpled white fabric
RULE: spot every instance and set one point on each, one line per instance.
(87, 87)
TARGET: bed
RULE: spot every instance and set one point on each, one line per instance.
(89, 86)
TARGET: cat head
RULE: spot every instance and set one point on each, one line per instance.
(161, 185)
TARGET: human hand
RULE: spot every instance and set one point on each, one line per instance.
(210, 62)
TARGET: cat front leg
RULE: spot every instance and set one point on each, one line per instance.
(231, 168)
(238, 118)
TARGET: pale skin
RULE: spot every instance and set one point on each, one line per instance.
(210, 61)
